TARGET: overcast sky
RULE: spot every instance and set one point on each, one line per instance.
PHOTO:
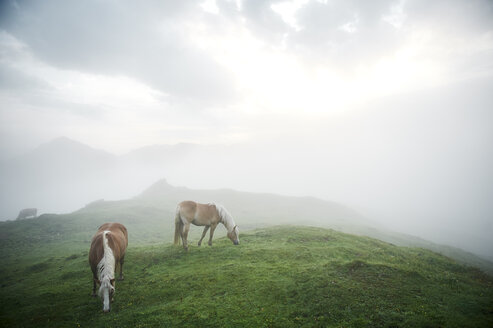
(122, 74)
(391, 99)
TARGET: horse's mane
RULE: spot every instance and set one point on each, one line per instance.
(106, 267)
(226, 218)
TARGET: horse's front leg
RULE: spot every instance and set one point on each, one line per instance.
(121, 267)
(203, 234)
(184, 235)
(213, 227)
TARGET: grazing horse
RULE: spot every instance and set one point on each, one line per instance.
(107, 249)
(27, 213)
(208, 215)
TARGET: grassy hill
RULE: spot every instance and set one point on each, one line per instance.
(277, 277)
(150, 216)
(283, 276)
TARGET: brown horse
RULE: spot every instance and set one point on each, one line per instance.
(208, 215)
(107, 249)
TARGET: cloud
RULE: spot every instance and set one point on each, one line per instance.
(172, 46)
(263, 21)
(351, 35)
(454, 16)
(14, 79)
(344, 31)
(145, 41)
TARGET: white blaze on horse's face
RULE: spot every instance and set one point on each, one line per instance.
(106, 300)
(106, 292)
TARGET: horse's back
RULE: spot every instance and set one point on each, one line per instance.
(117, 238)
(197, 213)
(116, 228)
(188, 208)
(207, 210)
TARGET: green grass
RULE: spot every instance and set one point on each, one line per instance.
(150, 218)
(276, 277)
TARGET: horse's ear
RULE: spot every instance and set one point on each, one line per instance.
(97, 280)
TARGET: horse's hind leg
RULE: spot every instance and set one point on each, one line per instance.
(184, 235)
(203, 234)
(121, 268)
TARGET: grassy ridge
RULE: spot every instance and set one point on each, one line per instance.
(150, 217)
(277, 277)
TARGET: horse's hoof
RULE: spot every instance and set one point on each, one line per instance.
(93, 295)
(121, 279)
(198, 244)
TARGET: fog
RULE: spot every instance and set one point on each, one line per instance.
(384, 107)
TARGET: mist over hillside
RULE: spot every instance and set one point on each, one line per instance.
(150, 217)
(64, 175)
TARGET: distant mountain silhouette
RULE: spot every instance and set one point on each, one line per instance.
(64, 174)
(160, 153)
(64, 156)
(52, 177)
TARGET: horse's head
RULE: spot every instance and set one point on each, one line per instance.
(106, 292)
(234, 235)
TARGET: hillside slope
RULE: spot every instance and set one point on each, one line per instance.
(258, 208)
(150, 217)
(276, 277)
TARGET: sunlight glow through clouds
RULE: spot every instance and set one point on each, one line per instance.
(396, 17)
(274, 80)
(271, 76)
(107, 91)
(210, 6)
(287, 10)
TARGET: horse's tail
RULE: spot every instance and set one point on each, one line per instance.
(106, 242)
(178, 225)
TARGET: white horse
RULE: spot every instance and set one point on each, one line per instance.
(208, 215)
